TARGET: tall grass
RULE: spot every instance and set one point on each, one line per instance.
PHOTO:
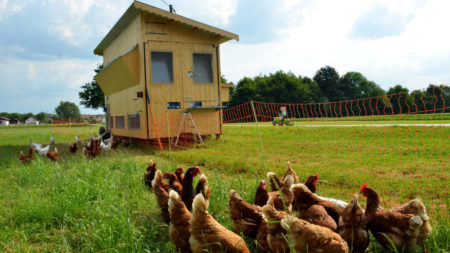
(96, 205)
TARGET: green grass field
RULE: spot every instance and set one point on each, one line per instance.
(100, 205)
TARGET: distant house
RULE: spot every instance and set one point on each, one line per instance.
(14, 122)
(4, 121)
(31, 121)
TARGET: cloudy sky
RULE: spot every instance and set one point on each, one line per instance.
(46, 46)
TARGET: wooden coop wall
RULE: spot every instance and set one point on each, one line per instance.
(182, 41)
(125, 102)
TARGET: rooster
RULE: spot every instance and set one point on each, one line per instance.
(306, 237)
(246, 217)
(392, 226)
(162, 196)
(173, 182)
(53, 155)
(313, 209)
(353, 226)
(187, 194)
(28, 157)
(179, 229)
(208, 235)
(150, 174)
(276, 235)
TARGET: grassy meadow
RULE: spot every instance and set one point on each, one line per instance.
(100, 205)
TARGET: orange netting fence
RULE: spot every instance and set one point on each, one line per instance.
(434, 100)
(397, 143)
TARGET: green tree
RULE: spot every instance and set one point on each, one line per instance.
(355, 85)
(397, 89)
(245, 90)
(92, 95)
(328, 80)
(25, 116)
(42, 116)
(67, 109)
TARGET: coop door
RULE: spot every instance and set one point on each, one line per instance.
(200, 87)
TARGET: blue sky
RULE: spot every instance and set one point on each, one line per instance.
(46, 46)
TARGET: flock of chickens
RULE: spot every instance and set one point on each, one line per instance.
(92, 148)
(290, 217)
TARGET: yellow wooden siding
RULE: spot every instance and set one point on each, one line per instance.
(225, 92)
(159, 29)
(207, 122)
(182, 41)
(126, 40)
(125, 102)
(120, 74)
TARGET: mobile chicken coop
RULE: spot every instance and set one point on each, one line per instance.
(161, 75)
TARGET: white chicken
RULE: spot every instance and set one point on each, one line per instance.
(40, 148)
(105, 147)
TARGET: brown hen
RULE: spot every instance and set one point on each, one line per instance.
(276, 235)
(306, 237)
(162, 196)
(402, 229)
(353, 226)
(53, 155)
(313, 209)
(246, 217)
(208, 235)
(28, 157)
(173, 182)
(187, 194)
(180, 228)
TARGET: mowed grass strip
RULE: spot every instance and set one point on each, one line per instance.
(84, 205)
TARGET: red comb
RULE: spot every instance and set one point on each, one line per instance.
(317, 176)
(363, 187)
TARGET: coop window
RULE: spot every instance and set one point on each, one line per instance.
(203, 68)
(120, 122)
(111, 121)
(162, 67)
(173, 105)
(134, 121)
(195, 104)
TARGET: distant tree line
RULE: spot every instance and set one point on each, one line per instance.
(42, 116)
(64, 110)
(328, 86)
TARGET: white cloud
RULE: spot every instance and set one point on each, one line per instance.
(214, 12)
(8, 9)
(321, 37)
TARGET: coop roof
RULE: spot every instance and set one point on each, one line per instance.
(138, 7)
